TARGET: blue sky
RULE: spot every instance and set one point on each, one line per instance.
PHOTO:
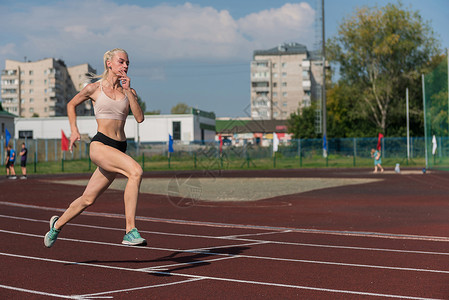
(196, 52)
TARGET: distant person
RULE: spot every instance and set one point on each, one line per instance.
(7, 162)
(10, 159)
(377, 160)
(112, 97)
(23, 161)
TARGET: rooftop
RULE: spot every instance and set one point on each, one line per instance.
(283, 49)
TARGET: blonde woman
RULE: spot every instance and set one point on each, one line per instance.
(112, 97)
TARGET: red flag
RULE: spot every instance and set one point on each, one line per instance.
(64, 142)
(379, 144)
(221, 143)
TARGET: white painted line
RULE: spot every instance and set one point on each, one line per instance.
(140, 288)
(271, 284)
(34, 292)
(168, 267)
(227, 246)
(253, 234)
(241, 226)
(247, 256)
(244, 240)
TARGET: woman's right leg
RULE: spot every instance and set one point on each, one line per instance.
(98, 183)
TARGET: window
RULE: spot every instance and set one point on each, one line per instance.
(275, 84)
(284, 74)
(284, 65)
(274, 65)
(275, 75)
(30, 72)
(25, 134)
(31, 100)
(45, 81)
(284, 84)
(284, 104)
(176, 131)
(31, 109)
(275, 94)
(31, 91)
(284, 94)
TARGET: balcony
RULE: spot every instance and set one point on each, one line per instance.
(306, 65)
(260, 89)
(9, 72)
(259, 79)
(306, 85)
(260, 66)
(9, 91)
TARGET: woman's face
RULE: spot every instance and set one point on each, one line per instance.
(119, 62)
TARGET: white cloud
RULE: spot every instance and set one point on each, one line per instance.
(291, 22)
(80, 31)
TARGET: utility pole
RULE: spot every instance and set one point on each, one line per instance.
(323, 93)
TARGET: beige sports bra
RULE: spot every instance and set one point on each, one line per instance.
(107, 108)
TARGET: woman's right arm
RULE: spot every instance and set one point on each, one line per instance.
(85, 94)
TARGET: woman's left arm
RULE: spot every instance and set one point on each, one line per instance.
(134, 105)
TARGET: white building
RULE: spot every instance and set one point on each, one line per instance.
(186, 128)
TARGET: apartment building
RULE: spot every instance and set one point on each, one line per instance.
(283, 79)
(42, 88)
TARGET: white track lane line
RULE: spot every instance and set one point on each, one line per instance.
(167, 267)
(245, 256)
(17, 289)
(254, 234)
(244, 240)
(220, 278)
(228, 246)
(96, 295)
(241, 226)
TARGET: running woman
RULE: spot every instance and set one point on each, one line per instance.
(112, 97)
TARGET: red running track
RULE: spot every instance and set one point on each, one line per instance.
(387, 239)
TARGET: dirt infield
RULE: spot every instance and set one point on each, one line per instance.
(276, 234)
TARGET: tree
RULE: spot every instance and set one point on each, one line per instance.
(301, 123)
(180, 108)
(153, 112)
(381, 52)
(343, 118)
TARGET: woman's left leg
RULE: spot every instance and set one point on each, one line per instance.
(113, 160)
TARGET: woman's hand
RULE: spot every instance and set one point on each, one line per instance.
(75, 136)
(124, 80)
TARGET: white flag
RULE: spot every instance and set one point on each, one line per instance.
(434, 145)
(275, 142)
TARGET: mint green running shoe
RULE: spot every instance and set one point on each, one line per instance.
(133, 238)
(52, 235)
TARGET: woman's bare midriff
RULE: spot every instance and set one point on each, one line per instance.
(115, 129)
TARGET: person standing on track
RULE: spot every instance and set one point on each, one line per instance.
(112, 97)
(377, 160)
(10, 159)
(23, 161)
